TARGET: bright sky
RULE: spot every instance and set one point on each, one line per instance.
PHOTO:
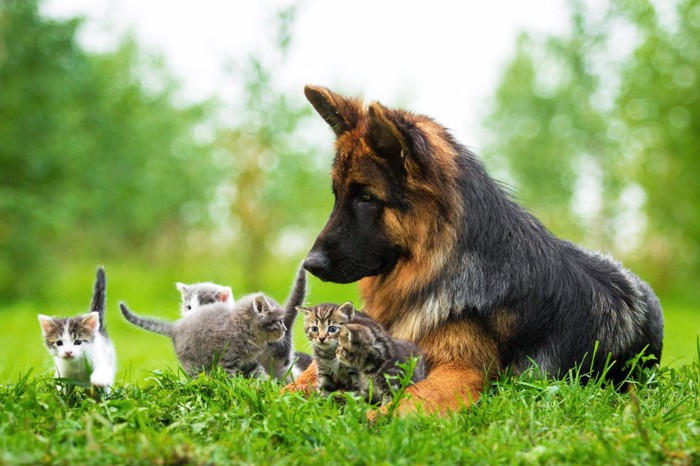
(442, 58)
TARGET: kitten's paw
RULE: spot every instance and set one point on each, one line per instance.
(101, 380)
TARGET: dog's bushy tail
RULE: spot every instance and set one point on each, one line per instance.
(152, 325)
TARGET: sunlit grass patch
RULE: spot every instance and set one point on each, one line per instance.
(171, 418)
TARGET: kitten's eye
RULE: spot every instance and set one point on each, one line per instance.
(332, 329)
(314, 328)
(188, 307)
(59, 343)
(78, 342)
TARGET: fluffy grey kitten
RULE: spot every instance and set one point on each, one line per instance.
(278, 357)
(80, 346)
(217, 334)
(196, 295)
(371, 351)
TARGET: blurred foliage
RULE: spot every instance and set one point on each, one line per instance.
(93, 161)
(599, 131)
(272, 182)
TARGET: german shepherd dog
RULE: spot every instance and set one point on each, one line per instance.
(446, 259)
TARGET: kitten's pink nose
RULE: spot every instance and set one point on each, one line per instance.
(322, 339)
(68, 354)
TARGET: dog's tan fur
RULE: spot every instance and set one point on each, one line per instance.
(458, 353)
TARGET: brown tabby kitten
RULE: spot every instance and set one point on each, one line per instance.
(321, 325)
(374, 354)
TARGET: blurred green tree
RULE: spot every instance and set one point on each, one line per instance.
(659, 105)
(92, 160)
(599, 129)
(273, 178)
(547, 126)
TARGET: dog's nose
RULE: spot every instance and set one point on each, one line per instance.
(316, 262)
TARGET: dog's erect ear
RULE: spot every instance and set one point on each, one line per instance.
(384, 132)
(341, 113)
(394, 135)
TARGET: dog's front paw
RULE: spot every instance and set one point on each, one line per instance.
(373, 415)
(295, 387)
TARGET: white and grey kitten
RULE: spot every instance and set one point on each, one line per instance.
(196, 295)
(80, 346)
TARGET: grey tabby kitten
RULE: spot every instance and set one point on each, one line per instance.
(275, 355)
(217, 334)
(321, 325)
(196, 295)
(375, 354)
(80, 346)
(279, 358)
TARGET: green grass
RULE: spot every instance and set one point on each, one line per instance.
(156, 416)
(171, 419)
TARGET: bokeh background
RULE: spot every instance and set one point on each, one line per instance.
(170, 142)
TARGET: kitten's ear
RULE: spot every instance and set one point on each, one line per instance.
(182, 288)
(46, 323)
(303, 310)
(224, 295)
(348, 310)
(260, 304)
(91, 321)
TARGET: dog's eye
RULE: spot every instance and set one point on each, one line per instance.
(365, 197)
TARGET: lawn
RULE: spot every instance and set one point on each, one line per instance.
(156, 415)
(171, 419)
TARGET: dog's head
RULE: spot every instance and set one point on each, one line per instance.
(393, 182)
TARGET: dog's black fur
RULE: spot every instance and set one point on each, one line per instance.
(559, 298)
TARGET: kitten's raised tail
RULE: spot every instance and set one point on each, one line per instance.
(296, 297)
(99, 298)
(147, 323)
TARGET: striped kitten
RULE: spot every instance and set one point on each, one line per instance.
(279, 358)
(196, 295)
(371, 351)
(80, 346)
(321, 325)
